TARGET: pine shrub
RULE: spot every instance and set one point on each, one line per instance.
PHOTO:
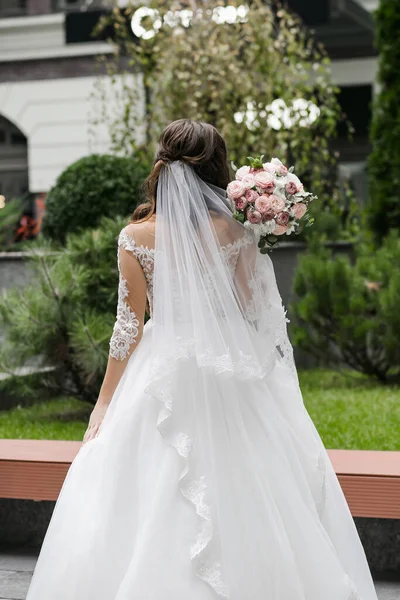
(348, 314)
(62, 322)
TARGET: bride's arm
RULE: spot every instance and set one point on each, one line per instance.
(127, 332)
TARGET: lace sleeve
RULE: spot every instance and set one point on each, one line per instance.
(131, 301)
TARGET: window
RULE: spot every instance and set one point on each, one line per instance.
(18, 139)
(12, 8)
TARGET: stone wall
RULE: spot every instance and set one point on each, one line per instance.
(14, 270)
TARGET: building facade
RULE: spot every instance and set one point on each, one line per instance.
(48, 71)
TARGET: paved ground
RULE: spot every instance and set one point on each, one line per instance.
(16, 571)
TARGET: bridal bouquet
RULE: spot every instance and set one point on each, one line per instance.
(269, 199)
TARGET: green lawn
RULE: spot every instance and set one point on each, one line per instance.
(349, 411)
(61, 419)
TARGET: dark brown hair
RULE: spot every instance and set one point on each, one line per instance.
(195, 143)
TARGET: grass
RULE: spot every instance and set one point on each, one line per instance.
(349, 411)
(60, 419)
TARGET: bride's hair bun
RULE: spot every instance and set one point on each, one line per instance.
(195, 143)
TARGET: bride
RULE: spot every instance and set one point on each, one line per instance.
(202, 475)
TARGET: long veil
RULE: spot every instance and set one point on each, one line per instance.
(219, 328)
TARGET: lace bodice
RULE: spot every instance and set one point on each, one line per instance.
(134, 288)
(145, 256)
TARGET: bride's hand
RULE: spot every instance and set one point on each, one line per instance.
(95, 421)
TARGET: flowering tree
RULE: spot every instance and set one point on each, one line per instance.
(254, 71)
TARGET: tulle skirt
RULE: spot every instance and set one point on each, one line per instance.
(238, 499)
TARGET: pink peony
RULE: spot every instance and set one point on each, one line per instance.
(265, 181)
(280, 167)
(268, 215)
(241, 203)
(235, 190)
(280, 229)
(263, 203)
(282, 218)
(269, 168)
(299, 210)
(292, 178)
(242, 172)
(283, 170)
(251, 195)
(248, 181)
(275, 166)
(254, 216)
(277, 203)
(291, 188)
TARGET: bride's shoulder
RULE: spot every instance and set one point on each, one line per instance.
(139, 234)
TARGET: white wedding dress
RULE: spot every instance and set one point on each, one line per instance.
(208, 478)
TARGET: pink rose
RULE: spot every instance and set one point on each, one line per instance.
(248, 181)
(251, 195)
(242, 172)
(292, 178)
(254, 216)
(269, 167)
(235, 190)
(282, 218)
(280, 167)
(277, 203)
(299, 210)
(263, 203)
(241, 203)
(280, 229)
(291, 188)
(268, 215)
(265, 181)
(275, 166)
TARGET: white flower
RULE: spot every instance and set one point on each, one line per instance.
(269, 227)
(261, 228)
(276, 161)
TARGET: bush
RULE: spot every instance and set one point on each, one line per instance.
(62, 322)
(338, 218)
(384, 161)
(92, 187)
(348, 314)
